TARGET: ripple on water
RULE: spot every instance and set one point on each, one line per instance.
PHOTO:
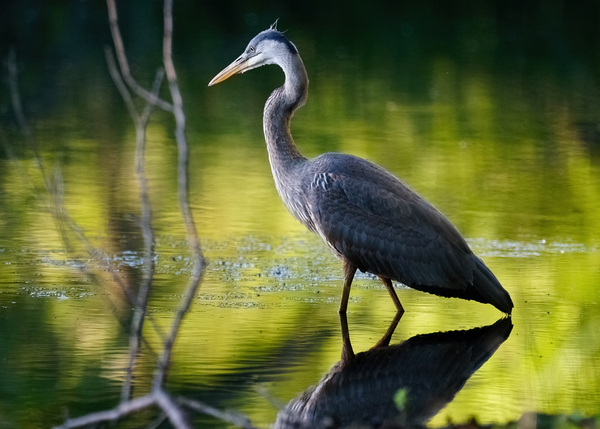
(525, 249)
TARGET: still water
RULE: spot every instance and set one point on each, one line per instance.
(508, 152)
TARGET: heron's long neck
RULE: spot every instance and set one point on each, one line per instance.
(279, 109)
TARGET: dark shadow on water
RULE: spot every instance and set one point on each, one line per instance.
(400, 385)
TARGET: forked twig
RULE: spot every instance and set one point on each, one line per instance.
(170, 408)
(141, 302)
(124, 64)
(158, 397)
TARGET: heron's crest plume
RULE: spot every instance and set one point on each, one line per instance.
(272, 35)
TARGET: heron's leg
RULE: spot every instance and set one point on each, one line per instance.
(385, 340)
(388, 284)
(347, 352)
(349, 271)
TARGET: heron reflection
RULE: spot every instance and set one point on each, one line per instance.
(428, 370)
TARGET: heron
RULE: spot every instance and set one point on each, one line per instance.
(370, 219)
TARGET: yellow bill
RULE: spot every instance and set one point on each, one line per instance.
(238, 66)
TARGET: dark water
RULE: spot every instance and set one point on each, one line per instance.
(493, 120)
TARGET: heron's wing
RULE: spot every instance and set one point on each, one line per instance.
(383, 227)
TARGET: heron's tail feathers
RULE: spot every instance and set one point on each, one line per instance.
(490, 289)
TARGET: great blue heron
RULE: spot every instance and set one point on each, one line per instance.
(370, 219)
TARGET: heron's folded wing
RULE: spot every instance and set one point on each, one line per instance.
(383, 227)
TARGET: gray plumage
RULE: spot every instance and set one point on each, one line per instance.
(371, 220)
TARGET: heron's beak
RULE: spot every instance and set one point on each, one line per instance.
(238, 66)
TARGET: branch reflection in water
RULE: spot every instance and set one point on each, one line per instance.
(428, 370)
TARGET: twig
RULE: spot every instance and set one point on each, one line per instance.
(141, 124)
(169, 406)
(12, 157)
(118, 41)
(230, 417)
(141, 308)
(62, 222)
(13, 83)
(116, 77)
(159, 397)
(61, 217)
(52, 188)
(157, 421)
(123, 410)
(166, 403)
(58, 212)
(182, 186)
(274, 401)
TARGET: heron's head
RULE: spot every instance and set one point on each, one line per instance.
(268, 47)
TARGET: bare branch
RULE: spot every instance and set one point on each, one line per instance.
(13, 83)
(123, 410)
(172, 409)
(54, 188)
(120, 49)
(12, 157)
(236, 419)
(141, 307)
(274, 401)
(15, 95)
(65, 222)
(116, 77)
(58, 212)
(182, 186)
(141, 303)
(157, 421)
(175, 414)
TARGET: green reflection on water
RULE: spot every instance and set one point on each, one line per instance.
(508, 152)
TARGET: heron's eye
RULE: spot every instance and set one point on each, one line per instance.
(251, 49)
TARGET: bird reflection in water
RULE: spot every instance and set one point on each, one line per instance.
(359, 390)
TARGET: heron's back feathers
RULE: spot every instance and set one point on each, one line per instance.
(371, 218)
